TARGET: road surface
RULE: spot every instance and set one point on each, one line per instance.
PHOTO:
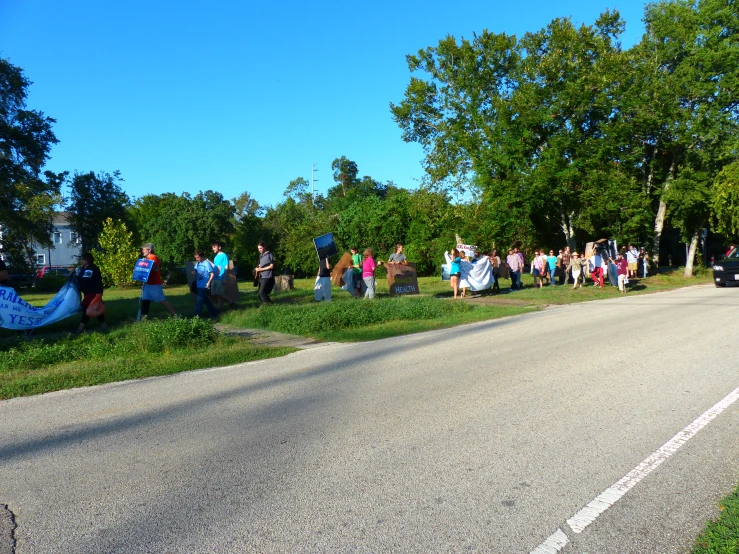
(491, 437)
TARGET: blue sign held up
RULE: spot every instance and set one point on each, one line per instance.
(142, 269)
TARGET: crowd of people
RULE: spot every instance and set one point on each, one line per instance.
(550, 268)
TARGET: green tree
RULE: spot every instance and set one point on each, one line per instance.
(117, 254)
(245, 205)
(27, 199)
(93, 198)
(725, 200)
(177, 225)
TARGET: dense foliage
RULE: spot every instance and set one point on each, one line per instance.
(558, 136)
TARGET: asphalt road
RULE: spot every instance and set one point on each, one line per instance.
(487, 437)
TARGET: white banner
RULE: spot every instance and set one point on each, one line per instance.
(16, 313)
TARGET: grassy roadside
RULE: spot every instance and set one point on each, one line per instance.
(50, 360)
(722, 535)
(130, 351)
(345, 319)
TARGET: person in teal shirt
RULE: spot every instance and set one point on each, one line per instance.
(552, 263)
(220, 263)
(454, 271)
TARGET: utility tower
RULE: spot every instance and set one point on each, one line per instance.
(313, 182)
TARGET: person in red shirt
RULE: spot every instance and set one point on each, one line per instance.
(152, 290)
(622, 270)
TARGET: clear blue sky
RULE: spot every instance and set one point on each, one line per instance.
(234, 96)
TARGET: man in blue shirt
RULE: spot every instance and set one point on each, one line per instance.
(220, 261)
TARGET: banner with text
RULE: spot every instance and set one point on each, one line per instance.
(17, 314)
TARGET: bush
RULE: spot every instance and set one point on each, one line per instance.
(149, 336)
(50, 283)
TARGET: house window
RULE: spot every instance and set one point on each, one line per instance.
(57, 236)
(73, 238)
(40, 259)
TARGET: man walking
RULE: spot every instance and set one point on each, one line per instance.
(264, 270)
(220, 263)
(514, 266)
(152, 290)
(622, 269)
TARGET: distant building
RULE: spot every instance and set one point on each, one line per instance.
(66, 246)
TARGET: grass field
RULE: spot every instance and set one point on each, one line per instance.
(721, 536)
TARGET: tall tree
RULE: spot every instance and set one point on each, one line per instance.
(93, 198)
(27, 198)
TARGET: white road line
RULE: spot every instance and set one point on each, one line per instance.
(612, 494)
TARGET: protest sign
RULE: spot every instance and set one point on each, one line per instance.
(325, 246)
(142, 269)
(402, 279)
(17, 314)
(468, 249)
(341, 266)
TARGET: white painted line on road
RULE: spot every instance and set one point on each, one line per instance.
(612, 494)
(553, 544)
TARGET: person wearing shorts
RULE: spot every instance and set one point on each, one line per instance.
(152, 291)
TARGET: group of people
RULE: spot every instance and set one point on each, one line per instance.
(556, 268)
(362, 273)
(207, 286)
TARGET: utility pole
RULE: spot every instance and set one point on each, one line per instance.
(313, 182)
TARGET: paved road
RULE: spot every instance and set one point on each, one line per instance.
(487, 438)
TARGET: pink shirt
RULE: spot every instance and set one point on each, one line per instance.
(368, 267)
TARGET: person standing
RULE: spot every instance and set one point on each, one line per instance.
(152, 290)
(566, 257)
(622, 272)
(645, 264)
(322, 289)
(265, 272)
(632, 259)
(575, 266)
(495, 262)
(368, 273)
(91, 286)
(455, 271)
(4, 277)
(398, 257)
(552, 262)
(596, 269)
(205, 273)
(514, 266)
(522, 263)
(357, 272)
(538, 265)
(220, 262)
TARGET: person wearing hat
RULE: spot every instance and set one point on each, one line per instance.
(152, 291)
(575, 266)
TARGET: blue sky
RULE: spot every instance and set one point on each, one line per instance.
(243, 96)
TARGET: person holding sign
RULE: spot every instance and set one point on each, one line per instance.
(398, 257)
(152, 290)
(322, 288)
(91, 286)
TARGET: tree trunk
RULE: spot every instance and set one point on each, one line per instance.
(566, 226)
(691, 255)
(659, 221)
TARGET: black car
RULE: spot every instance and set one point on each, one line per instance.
(727, 270)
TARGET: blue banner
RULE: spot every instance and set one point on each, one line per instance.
(142, 269)
(17, 314)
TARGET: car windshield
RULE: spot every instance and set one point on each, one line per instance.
(734, 254)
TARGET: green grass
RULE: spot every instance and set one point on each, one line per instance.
(131, 351)
(345, 319)
(722, 535)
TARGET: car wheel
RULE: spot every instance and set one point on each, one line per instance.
(720, 284)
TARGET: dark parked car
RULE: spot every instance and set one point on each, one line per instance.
(55, 270)
(727, 270)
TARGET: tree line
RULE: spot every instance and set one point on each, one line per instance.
(559, 136)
